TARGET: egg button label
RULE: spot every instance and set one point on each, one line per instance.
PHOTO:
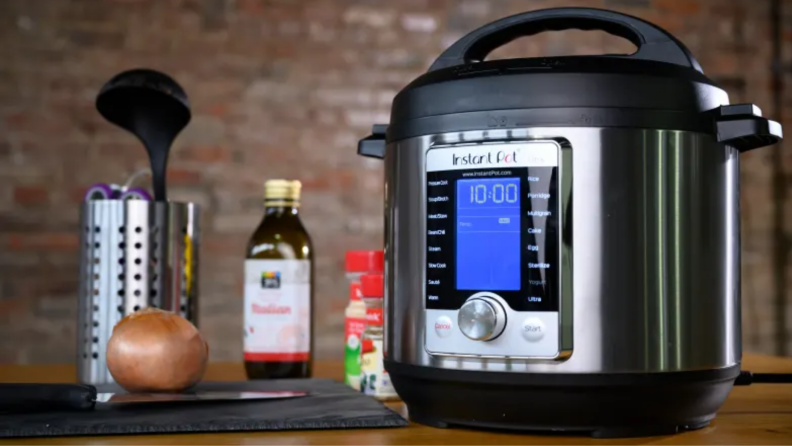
(443, 326)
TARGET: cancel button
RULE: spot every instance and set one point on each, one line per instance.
(533, 329)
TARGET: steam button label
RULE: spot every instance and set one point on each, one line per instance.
(443, 326)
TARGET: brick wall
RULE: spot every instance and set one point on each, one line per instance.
(281, 89)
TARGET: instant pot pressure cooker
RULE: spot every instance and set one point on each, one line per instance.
(563, 234)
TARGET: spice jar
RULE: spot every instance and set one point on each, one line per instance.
(357, 264)
(374, 379)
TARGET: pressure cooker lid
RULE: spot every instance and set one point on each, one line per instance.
(661, 85)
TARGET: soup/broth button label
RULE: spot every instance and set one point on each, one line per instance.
(443, 326)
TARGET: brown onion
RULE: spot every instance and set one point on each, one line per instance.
(153, 350)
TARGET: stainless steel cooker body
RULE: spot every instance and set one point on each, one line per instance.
(649, 241)
(562, 234)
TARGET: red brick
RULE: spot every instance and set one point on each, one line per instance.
(11, 308)
(38, 122)
(340, 179)
(232, 244)
(31, 195)
(679, 7)
(219, 110)
(206, 154)
(42, 241)
(722, 63)
(251, 7)
(178, 176)
(76, 194)
(318, 183)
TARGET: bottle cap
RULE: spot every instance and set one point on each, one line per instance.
(282, 192)
(365, 261)
(354, 291)
(372, 285)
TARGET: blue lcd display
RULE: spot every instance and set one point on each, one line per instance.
(488, 234)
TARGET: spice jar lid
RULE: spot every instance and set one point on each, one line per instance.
(372, 285)
(365, 261)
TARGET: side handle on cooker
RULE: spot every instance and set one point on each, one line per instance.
(653, 42)
(742, 126)
(373, 146)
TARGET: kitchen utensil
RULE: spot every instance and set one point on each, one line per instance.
(128, 192)
(101, 191)
(51, 397)
(153, 107)
(133, 254)
(510, 306)
(136, 193)
(137, 175)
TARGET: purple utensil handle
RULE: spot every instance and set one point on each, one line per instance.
(100, 191)
(136, 193)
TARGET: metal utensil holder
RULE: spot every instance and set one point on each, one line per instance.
(133, 254)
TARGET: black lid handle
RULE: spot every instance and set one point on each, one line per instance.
(653, 42)
(742, 126)
(373, 146)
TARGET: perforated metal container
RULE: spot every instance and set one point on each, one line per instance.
(133, 254)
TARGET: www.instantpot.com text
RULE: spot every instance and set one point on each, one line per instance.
(488, 173)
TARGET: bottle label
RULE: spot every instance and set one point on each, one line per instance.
(353, 330)
(374, 316)
(277, 310)
(374, 380)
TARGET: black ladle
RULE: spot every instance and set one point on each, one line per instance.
(153, 107)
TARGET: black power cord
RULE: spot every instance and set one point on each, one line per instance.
(747, 378)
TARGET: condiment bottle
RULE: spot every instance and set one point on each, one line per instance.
(357, 264)
(278, 322)
(374, 379)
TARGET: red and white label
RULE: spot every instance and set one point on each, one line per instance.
(374, 316)
(353, 330)
(277, 323)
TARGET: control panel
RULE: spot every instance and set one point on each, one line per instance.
(493, 250)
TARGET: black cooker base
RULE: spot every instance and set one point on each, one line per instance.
(599, 405)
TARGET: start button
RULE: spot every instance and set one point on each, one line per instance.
(533, 329)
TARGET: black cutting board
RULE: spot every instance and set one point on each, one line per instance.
(329, 405)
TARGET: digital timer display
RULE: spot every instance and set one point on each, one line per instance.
(488, 234)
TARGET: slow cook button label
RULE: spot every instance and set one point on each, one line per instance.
(443, 326)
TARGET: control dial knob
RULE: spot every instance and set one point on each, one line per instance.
(481, 318)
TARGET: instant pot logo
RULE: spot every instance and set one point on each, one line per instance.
(499, 157)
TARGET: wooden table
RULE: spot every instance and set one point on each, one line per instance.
(759, 414)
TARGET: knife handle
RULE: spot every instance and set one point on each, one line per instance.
(25, 397)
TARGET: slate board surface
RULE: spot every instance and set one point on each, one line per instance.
(329, 405)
